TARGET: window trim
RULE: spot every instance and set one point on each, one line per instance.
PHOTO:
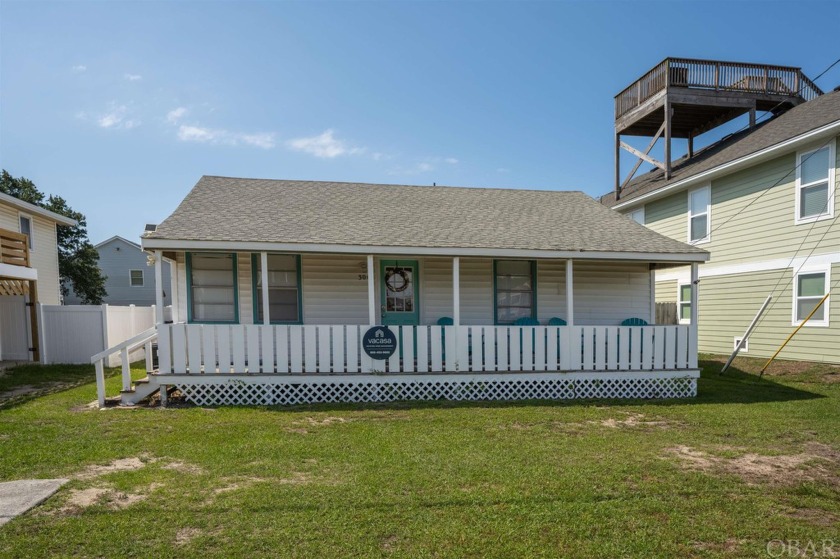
(832, 185)
(255, 256)
(680, 302)
(708, 213)
(534, 310)
(826, 271)
(31, 234)
(190, 319)
(142, 277)
(639, 211)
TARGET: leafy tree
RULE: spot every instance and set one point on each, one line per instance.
(78, 261)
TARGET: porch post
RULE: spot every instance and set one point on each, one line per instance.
(158, 287)
(694, 328)
(570, 293)
(371, 292)
(456, 291)
(264, 279)
(173, 289)
(652, 296)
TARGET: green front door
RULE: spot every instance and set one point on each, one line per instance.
(400, 292)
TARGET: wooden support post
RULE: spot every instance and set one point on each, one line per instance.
(456, 291)
(33, 320)
(752, 118)
(617, 166)
(693, 339)
(667, 138)
(691, 145)
(570, 293)
(173, 289)
(371, 291)
(158, 288)
(640, 160)
(652, 295)
(264, 280)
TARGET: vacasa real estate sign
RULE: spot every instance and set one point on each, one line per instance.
(379, 342)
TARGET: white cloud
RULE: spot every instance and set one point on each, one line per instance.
(198, 134)
(79, 68)
(115, 118)
(423, 167)
(503, 170)
(325, 145)
(175, 115)
(132, 77)
(451, 160)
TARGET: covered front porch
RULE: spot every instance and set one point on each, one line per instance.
(255, 328)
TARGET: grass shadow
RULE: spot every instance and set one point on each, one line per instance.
(24, 383)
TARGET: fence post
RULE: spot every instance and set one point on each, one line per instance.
(42, 334)
(104, 309)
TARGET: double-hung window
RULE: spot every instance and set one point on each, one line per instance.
(699, 214)
(136, 278)
(515, 285)
(212, 287)
(815, 184)
(809, 289)
(684, 303)
(284, 296)
(638, 215)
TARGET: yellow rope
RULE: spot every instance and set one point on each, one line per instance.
(778, 351)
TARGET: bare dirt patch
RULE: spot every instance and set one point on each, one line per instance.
(118, 465)
(631, 420)
(815, 516)
(314, 422)
(817, 463)
(80, 499)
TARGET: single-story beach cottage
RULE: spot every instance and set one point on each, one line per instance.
(289, 292)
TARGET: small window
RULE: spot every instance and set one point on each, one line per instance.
(212, 287)
(809, 289)
(283, 288)
(814, 177)
(684, 304)
(515, 290)
(745, 348)
(638, 215)
(699, 215)
(26, 229)
(136, 278)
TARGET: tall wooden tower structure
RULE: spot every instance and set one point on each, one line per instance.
(683, 98)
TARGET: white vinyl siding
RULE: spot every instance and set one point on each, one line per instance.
(699, 215)
(45, 256)
(334, 289)
(476, 290)
(609, 292)
(809, 289)
(815, 184)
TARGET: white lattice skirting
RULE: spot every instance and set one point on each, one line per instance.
(271, 390)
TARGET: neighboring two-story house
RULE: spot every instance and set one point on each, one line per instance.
(28, 273)
(764, 203)
(129, 279)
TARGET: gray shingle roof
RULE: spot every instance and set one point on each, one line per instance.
(333, 213)
(803, 118)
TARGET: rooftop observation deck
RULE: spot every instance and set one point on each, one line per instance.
(706, 93)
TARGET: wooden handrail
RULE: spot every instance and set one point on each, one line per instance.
(14, 248)
(717, 75)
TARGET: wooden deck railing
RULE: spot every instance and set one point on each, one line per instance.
(718, 76)
(323, 350)
(14, 248)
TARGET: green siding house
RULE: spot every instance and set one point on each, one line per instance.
(764, 203)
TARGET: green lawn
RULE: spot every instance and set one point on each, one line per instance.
(746, 462)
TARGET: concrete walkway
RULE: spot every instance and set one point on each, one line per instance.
(17, 497)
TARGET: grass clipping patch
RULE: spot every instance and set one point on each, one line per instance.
(818, 462)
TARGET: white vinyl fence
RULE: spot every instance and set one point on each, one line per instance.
(73, 333)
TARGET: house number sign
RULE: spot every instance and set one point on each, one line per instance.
(379, 342)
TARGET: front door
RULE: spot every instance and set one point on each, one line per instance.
(400, 292)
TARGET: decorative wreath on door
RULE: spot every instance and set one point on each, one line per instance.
(392, 278)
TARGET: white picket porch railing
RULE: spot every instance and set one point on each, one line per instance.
(327, 349)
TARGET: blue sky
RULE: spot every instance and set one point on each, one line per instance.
(120, 107)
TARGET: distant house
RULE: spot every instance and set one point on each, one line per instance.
(28, 274)
(368, 292)
(763, 202)
(130, 280)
